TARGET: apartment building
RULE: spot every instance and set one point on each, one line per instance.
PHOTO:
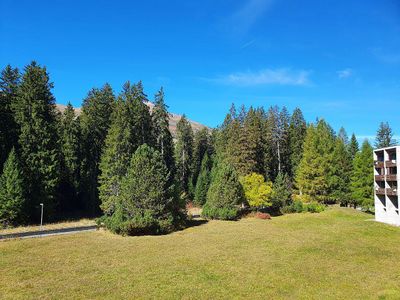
(386, 183)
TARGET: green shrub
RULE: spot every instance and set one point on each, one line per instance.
(223, 213)
(298, 206)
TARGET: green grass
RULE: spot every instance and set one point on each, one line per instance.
(339, 253)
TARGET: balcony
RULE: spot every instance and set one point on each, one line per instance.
(378, 164)
(379, 177)
(380, 191)
(391, 163)
(391, 177)
(391, 192)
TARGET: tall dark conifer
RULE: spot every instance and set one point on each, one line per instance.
(9, 81)
(384, 136)
(95, 122)
(353, 146)
(36, 116)
(297, 134)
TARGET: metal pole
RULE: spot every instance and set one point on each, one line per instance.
(41, 217)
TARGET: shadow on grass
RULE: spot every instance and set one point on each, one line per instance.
(195, 223)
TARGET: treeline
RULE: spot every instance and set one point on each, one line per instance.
(117, 158)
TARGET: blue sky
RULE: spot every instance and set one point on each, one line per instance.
(339, 60)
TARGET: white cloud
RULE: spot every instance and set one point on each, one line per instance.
(244, 18)
(266, 77)
(346, 73)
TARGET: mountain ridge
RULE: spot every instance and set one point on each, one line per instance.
(173, 118)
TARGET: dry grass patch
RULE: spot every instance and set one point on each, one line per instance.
(332, 255)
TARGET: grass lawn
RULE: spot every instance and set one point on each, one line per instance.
(339, 253)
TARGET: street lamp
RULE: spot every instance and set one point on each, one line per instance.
(41, 217)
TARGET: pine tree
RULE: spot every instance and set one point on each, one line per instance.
(297, 133)
(145, 205)
(203, 181)
(9, 82)
(12, 192)
(95, 121)
(184, 153)
(353, 146)
(314, 171)
(224, 195)
(341, 168)
(362, 178)
(384, 136)
(70, 142)
(36, 116)
(161, 133)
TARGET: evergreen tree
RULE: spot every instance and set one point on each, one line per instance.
(36, 116)
(314, 171)
(201, 146)
(116, 156)
(384, 136)
(362, 178)
(224, 195)
(145, 203)
(161, 133)
(70, 142)
(95, 121)
(341, 168)
(139, 115)
(282, 192)
(203, 181)
(9, 81)
(184, 153)
(12, 192)
(297, 133)
(353, 146)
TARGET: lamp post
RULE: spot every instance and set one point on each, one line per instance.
(41, 217)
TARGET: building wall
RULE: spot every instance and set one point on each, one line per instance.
(386, 207)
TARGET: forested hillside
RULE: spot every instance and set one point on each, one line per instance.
(118, 158)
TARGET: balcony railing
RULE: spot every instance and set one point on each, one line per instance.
(391, 177)
(379, 177)
(391, 192)
(380, 191)
(391, 163)
(378, 164)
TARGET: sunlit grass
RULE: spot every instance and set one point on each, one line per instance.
(335, 254)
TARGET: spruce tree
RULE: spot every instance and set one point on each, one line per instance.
(201, 146)
(35, 114)
(70, 142)
(146, 203)
(184, 153)
(162, 135)
(384, 136)
(282, 192)
(203, 181)
(362, 178)
(12, 192)
(9, 82)
(224, 195)
(341, 168)
(95, 121)
(116, 156)
(297, 133)
(353, 146)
